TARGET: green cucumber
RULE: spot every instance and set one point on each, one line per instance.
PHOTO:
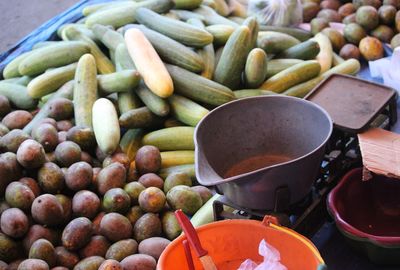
(65, 91)
(62, 31)
(306, 50)
(233, 59)
(187, 4)
(125, 14)
(243, 93)
(206, 53)
(220, 32)
(255, 70)
(199, 88)
(275, 42)
(50, 81)
(277, 65)
(186, 111)
(298, 33)
(168, 139)
(122, 81)
(172, 51)
(212, 17)
(110, 38)
(104, 65)
(128, 101)
(85, 90)
(185, 15)
(291, 76)
(11, 69)
(139, 118)
(177, 30)
(18, 95)
(24, 80)
(157, 105)
(57, 55)
(123, 59)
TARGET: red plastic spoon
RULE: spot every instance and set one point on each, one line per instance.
(188, 254)
(194, 241)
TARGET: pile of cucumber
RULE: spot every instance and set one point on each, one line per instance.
(134, 73)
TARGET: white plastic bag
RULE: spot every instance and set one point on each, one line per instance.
(277, 12)
(388, 69)
(271, 261)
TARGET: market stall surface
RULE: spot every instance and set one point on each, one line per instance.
(21, 17)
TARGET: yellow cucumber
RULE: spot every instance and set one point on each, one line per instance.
(110, 38)
(177, 30)
(252, 93)
(209, 3)
(50, 81)
(105, 125)
(122, 81)
(336, 59)
(220, 32)
(221, 7)
(157, 105)
(237, 9)
(277, 65)
(275, 42)
(205, 214)
(148, 63)
(168, 139)
(57, 55)
(140, 118)
(350, 67)
(206, 53)
(131, 141)
(85, 90)
(298, 33)
(307, 50)
(256, 68)
(291, 76)
(186, 111)
(172, 51)
(174, 158)
(233, 59)
(104, 65)
(185, 168)
(187, 4)
(326, 52)
(252, 24)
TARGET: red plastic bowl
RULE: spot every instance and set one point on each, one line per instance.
(368, 214)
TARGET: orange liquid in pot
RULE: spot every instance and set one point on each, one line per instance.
(255, 163)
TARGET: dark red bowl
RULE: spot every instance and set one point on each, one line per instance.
(368, 214)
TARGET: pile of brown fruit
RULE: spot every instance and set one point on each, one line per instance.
(68, 206)
(368, 24)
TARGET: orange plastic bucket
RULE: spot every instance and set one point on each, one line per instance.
(230, 242)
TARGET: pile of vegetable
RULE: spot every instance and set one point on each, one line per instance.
(96, 133)
(368, 24)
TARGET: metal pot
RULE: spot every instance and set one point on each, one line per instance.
(262, 126)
